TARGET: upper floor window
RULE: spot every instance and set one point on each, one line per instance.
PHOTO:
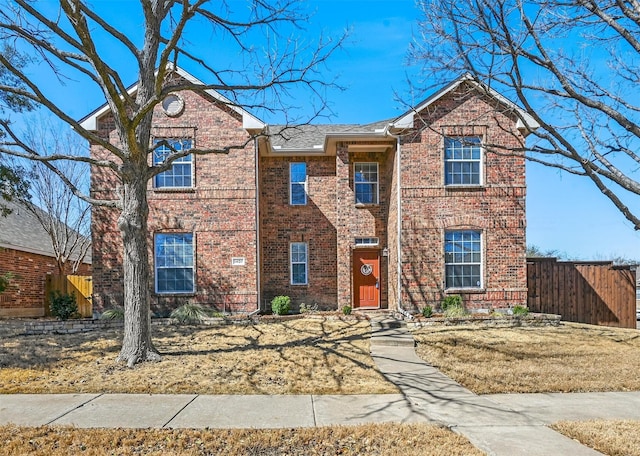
(174, 263)
(462, 157)
(366, 183)
(463, 259)
(297, 183)
(180, 175)
(299, 263)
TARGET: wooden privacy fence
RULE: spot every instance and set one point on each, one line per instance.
(79, 286)
(596, 293)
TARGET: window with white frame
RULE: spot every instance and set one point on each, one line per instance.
(297, 184)
(299, 263)
(365, 178)
(174, 262)
(462, 157)
(180, 175)
(463, 259)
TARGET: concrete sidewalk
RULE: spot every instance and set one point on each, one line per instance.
(497, 424)
(501, 424)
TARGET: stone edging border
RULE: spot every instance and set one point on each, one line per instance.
(42, 326)
(511, 321)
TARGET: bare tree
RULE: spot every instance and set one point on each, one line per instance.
(573, 65)
(76, 41)
(12, 178)
(64, 217)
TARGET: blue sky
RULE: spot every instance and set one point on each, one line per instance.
(564, 212)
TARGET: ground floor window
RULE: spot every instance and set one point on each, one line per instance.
(173, 257)
(299, 263)
(463, 259)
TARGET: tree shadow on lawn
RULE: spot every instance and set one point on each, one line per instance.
(325, 347)
(45, 351)
(291, 357)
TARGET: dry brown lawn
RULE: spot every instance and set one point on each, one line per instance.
(291, 357)
(374, 439)
(568, 358)
(611, 437)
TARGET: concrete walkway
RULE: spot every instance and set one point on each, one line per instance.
(497, 424)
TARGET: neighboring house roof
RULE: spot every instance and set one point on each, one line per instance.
(21, 230)
(249, 121)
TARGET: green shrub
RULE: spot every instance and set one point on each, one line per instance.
(190, 314)
(427, 311)
(519, 310)
(346, 310)
(451, 301)
(63, 306)
(280, 305)
(117, 313)
(5, 279)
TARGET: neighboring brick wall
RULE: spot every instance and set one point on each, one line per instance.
(220, 211)
(497, 209)
(313, 223)
(24, 297)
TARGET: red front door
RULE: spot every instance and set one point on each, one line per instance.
(366, 278)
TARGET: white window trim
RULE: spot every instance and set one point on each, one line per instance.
(192, 162)
(480, 160)
(355, 194)
(482, 262)
(155, 265)
(305, 183)
(367, 241)
(306, 264)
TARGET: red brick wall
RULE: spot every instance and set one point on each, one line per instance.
(365, 221)
(220, 210)
(313, 223)
(497, 208)
(25, 295)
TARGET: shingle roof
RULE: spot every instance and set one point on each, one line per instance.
(21, 230)
(308, 136)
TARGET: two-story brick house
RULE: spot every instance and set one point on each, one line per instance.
(394, 214)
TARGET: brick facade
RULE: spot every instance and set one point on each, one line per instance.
(220, 211)
(496, 208)
(239, 208)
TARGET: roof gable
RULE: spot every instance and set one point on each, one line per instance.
(525, 122)
(249, 121)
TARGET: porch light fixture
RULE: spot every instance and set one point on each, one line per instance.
(385, 252)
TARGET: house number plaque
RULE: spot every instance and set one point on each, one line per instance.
(366, 269)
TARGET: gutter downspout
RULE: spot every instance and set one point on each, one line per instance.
(401, 310)
(258, 246)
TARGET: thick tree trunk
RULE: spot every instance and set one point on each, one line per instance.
(137, 345)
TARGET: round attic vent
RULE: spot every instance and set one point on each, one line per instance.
(173, 105)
